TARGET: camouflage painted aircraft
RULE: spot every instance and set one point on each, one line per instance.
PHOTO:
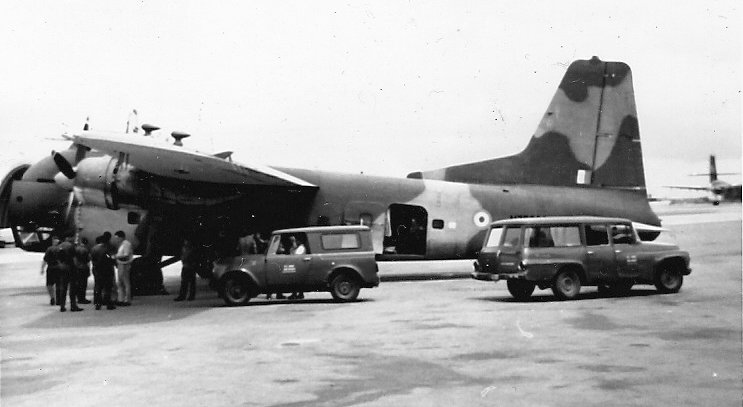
(584, 159)
(718, 190)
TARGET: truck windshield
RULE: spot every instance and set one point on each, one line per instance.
(494, 237)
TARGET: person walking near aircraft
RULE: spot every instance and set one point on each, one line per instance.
(247, 245)
(124, 256)
(296, 248)
(52, 269)
(66, 280)
(111, 251)
(103, 272)
(82, 270)
(190, 261)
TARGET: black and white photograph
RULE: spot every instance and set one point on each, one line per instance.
(354, 203)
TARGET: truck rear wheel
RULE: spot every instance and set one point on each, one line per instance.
(566, 285)
(668, 279)
(236, 290)
(520, 289)
(345, 287)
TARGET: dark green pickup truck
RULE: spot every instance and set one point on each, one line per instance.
(338, 259)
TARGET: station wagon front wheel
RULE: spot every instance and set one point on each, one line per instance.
(668, 280)
(566, 285)
(345, 287)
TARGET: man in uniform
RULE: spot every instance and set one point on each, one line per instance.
(190, 261)
(65, 259)
(52, 269)
(82, 268)
(124, 257)
(103, 272)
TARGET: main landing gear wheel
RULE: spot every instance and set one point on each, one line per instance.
(345, 287)
(566, 285)
(520, 289)
(668, 280)
(236, 291)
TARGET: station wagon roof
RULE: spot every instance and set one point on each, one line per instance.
(558, 220)
(324, 229)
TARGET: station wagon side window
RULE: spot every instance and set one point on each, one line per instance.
(596, 235)
(552, 236)
(494, 237)
(339, 241)
(622, 234)
(511, 237)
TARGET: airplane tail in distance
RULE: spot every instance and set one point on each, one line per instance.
(712, 169)
(588, 136)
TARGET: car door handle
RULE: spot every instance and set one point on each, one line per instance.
(307, 259)
(590, 252)
(617, 251)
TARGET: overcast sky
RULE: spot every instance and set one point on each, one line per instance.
(380, 87)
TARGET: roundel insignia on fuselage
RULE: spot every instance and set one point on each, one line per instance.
(481, 219)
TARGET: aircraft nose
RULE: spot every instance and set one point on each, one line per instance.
(63, 182)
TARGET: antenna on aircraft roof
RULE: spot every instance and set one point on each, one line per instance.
(149, 128)
(86, 126)
(178, 136)
(132, 122)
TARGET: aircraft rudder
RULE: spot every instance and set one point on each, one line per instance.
(589, 135)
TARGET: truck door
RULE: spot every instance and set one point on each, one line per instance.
(600, 258)
(623, 238)
(287, 265)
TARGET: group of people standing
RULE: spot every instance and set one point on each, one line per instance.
(67, 267)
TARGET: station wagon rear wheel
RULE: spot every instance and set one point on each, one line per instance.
(345, 287)
(236, 290)
(668, 279)
(520, 289)
(566, 285)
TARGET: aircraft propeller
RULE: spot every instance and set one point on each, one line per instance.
(64, 166)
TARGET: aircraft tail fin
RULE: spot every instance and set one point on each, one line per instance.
(712, 169)
(588, 136)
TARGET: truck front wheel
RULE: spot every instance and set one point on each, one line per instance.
(668, 279)
(236, 290)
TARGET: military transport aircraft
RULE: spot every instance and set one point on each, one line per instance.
(719, 190)
(584, 159)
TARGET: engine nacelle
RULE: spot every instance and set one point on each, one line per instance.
(106, 182)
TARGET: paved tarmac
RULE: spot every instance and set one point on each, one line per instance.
(413, 343)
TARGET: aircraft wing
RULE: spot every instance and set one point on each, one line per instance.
(692, 188)
(160, 158)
